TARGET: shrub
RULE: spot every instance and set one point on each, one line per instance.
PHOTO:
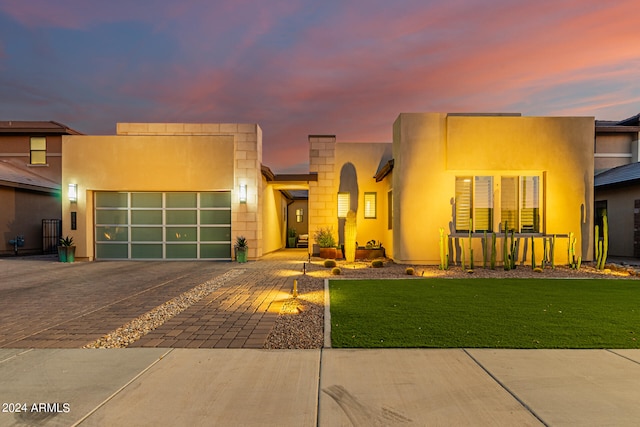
(409, 271)
(377, 263)
(329, 263)
(324, 238)
(336, 271)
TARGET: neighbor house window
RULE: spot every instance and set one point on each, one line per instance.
(38, 150)
(370, 205)
(474, 200)
(299, 215)
(344, 201)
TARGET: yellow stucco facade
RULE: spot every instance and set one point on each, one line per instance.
(545, 162)
(159, 157)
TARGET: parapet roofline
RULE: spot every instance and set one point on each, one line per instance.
(36, 127)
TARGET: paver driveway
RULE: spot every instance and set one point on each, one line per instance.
(46, 304)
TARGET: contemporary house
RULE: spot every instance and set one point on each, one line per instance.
(30, 176)
(185, 191)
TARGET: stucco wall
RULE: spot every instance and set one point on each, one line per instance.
(21, 213)
(365, 159)
(142, 163)
(431, 149)
(274, 206)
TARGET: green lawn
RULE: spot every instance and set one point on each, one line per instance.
(489, 313)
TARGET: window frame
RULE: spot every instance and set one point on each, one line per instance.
(373, 199)
(32, 150)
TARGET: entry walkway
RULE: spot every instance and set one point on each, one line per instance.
(330, 387)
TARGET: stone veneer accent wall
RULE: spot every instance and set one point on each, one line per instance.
(246, 218)
(322, 194)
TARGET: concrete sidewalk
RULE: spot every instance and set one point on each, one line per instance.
(330, 387)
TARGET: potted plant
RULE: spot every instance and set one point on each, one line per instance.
(372, 250)
(241, 248)
(66, 250)
(324, 238)
(292, 237)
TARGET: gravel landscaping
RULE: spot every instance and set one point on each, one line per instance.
(300, 324)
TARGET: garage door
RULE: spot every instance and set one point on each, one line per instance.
(176, 225)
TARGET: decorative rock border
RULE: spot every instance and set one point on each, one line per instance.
(142, 325)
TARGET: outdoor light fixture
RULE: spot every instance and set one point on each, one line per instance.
(243, 193)
(73, 192)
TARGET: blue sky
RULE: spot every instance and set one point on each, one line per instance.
(305, 67)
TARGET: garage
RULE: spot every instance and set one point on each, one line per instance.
(163, 225)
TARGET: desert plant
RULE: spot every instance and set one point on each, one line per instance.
(470, 248)
(291, 232)
(350, 237)
(485, 249)
(602, 247)
(409, 271)
(574, 262)
(329, 263)
(336, 271)
(444, 256)
(324, 237)
(66, 241)
(372, 244)
(533, 254)
(493, 251)
(377, 263)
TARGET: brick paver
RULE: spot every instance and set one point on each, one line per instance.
(45, 304)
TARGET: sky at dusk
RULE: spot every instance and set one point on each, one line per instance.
(300, 67)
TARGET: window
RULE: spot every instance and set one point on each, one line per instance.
(38, 150)
(530, 205)
(344, 202)
(390, 210)
(299, 215)
(474, 200)
(520, 204)
(370, 205)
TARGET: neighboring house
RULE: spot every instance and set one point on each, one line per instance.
(173, 191)
(617, 191)
(616, 143)
(617, 183)
(533, 173)
(30, 175)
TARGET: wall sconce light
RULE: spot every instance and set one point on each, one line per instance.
(73, 192)
(243, 193)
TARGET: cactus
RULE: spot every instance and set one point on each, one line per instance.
(552, 251)
(444, 256)
(533, 254)
(485, 248)
(598, 246)
(513, 253)
(574, 262)
(505, 254)
(493, 251)
(470, 248)
(350, 229)
(601, 261)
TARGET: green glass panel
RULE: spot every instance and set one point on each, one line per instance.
(215, 200)
(146, 217)
(182, 217)
(146, 234)
(146, 200)
(111, 200)
(182, 251)
(112, 234)
(142, 251)
(111, 217)
(215, 217)
(181, 200)
(220, 250)
(215, 234)
(181, 234)
(111, 251)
